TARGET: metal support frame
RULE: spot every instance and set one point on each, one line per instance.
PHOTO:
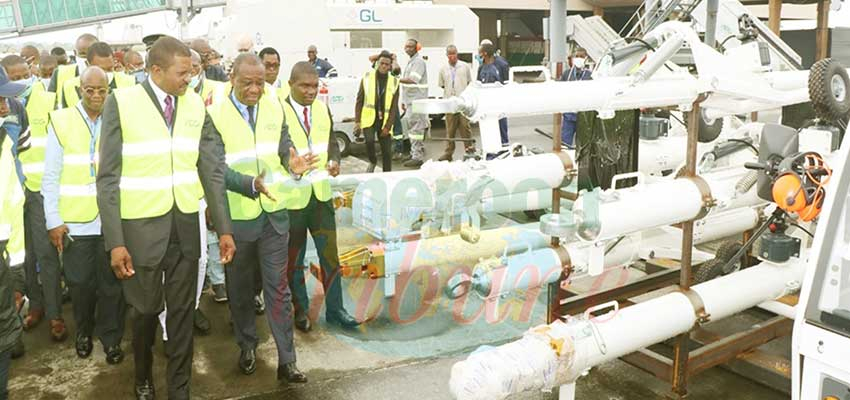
(553, 297)
(822, 31)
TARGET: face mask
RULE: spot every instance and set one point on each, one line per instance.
(28, 83)
(479, 59)
(196, 80)
(578, 62)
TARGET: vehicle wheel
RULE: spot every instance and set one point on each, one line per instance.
(828, 90)
(725, 252)
(343, 142)
(708, 130)
(709, 270)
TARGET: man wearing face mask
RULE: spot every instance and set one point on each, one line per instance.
(42, 262)
(199, 83)
(134, 65)
(73, 220)
(99, 55)
(211, 72)
(578, 72)
(65, 72)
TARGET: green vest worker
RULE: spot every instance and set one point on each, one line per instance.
(11, 243)
(376, 109)
(311, 207)
(99, 55)
(63, 73)
(156, 162)
(199, 83)
(41, 267)
(70, 208)
(260, 160)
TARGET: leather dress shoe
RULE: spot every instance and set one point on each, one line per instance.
(145, 391)
(248, 361)
(302, 323)
(202, 324)
(114, 354)
(58, 332)
(290, 373)
(371, 168)
(83, 346)
(342, 319)
(34, 316)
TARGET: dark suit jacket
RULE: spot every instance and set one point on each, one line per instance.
(249, 231)
(147, 239)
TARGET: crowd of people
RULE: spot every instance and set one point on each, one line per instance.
(132, 182)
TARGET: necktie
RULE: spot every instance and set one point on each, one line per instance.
(251, 118)
(168, 113)
(306, 121)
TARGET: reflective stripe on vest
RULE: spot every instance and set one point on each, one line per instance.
(159, 169)
(251, 153)
(71, 94)
(77, 192)
(316, 181)
(370, 86)
(38, 110)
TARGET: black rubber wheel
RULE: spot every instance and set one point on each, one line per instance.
(828, 90)
(343, 142)
(709, 270)
(708, 130)
(725, 252)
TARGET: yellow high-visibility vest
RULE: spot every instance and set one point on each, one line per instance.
(64, 72)
(209, 87)
(32, 161)
(367, 115)
(159, 169)
(71, 95)
(315, 181)
(77, 191)
(252, 152)
(11, 206)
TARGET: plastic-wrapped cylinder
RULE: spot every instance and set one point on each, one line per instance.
(643, 206)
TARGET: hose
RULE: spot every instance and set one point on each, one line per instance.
(747, 182)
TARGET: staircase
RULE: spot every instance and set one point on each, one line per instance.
(593, 34)
(652, 13)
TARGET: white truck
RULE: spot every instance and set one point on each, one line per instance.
(346, 35)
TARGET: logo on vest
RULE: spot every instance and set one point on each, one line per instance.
(193, 123)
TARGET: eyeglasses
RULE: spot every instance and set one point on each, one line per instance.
(92, 91)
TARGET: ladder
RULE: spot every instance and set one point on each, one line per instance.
(593, 34)
(652, 13)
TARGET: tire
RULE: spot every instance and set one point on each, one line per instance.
(725, 252)
(344, 143)
(829, 90)
(709, 270)
(708, 131)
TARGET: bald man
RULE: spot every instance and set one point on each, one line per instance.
(244, 44)
(66, 72)
(73, 219)
(323, 67)
(212, 72)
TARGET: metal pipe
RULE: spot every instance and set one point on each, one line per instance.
(711, 22)
(779, 308)
(557, 32)
(561, 352)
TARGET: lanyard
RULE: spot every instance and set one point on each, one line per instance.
(92, 142)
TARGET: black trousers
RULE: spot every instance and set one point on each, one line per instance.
(145, 292)
(386, 142)
(42, 260)
(96, 292)
(268, 254)
(318, 217)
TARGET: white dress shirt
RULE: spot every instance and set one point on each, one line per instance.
(161, 95)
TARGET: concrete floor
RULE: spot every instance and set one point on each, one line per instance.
(380, 361)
